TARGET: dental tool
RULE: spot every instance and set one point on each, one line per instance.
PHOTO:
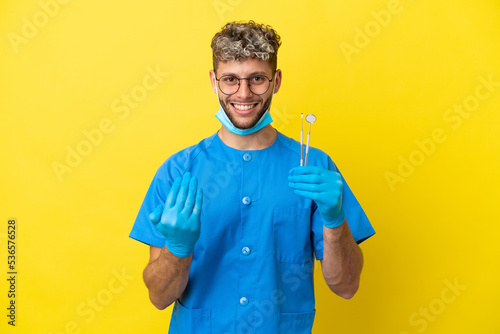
(310, 119)
(301, 139)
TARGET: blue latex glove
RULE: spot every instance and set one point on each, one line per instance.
(324, 187)
(179, 221)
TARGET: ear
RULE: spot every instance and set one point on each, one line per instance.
(213, 82)
(277, 84)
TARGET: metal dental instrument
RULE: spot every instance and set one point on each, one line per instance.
(310, 119)
(301, 139)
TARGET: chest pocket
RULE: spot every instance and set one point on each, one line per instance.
(291, 229)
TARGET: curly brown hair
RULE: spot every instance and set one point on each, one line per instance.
(243, 40)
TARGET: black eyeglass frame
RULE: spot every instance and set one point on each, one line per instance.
(239, 83)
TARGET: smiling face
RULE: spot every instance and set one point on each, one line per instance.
(244, 108)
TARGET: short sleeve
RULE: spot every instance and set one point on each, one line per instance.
(357, 220)
(143, 230)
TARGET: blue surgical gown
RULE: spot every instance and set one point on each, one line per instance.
(252, 267)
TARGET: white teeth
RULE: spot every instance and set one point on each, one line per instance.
(243, 107)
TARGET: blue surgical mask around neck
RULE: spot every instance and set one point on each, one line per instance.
(263, 121)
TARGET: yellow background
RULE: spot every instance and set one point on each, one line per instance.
(437, 225)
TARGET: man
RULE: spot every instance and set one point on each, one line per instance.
(234, 223)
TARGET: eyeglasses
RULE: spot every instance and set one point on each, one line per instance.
(258, 84)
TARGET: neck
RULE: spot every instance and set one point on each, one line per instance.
(258, 140)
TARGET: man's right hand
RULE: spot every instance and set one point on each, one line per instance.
(179, 221)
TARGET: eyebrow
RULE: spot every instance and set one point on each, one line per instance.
(251, 74)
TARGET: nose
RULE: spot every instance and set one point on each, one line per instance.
(244, 90)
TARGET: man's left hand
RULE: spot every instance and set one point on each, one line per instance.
(322, 186)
